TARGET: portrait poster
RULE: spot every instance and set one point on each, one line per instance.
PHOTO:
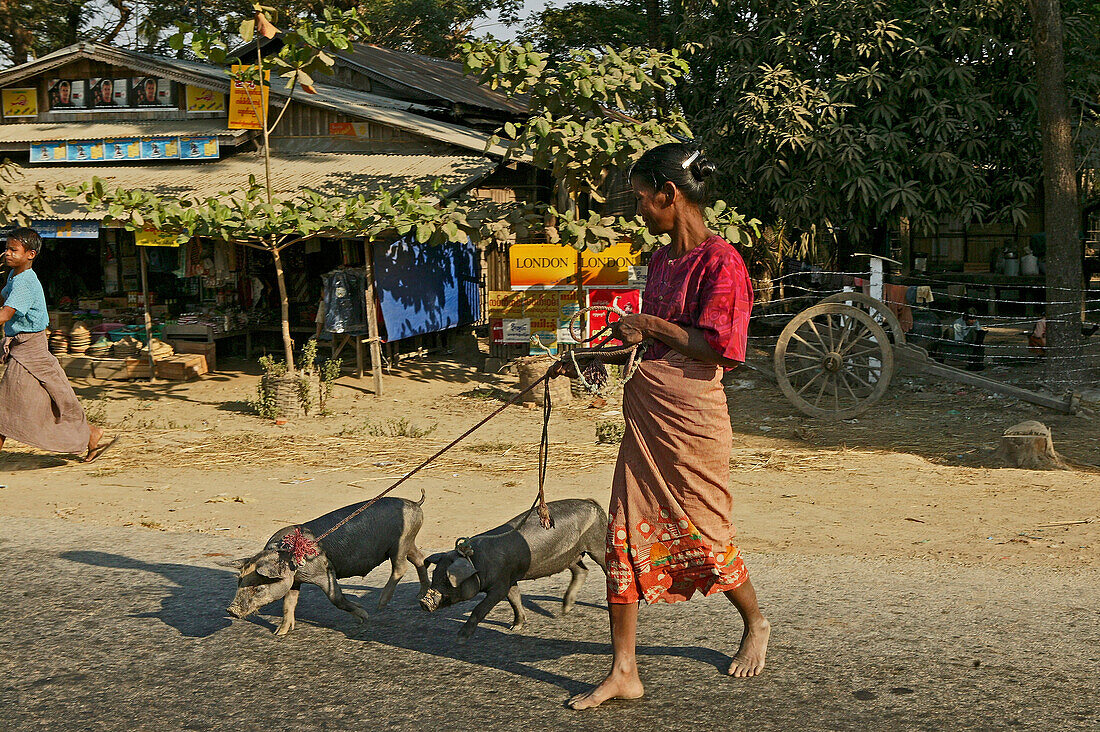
(67, 94)
(150, 91)
(108, 93)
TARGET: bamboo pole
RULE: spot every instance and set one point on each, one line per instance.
(372, 321)
(148, 317)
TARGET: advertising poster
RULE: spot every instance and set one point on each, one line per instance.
(523, 316)
(68, 94)
(128, 148)
(568, 310)
(109, 93)
(85, 151)
(629, 301)
(149, 91)
(246, 108)
(20, 102)
(609, 268)
(515, 330)
(48, 152)
(160, 148)
(66, 229)
(151, 238)
(204, 100)
(198, 148)
(542, 266)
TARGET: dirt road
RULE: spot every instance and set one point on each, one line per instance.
(124, 628)
(914, 585)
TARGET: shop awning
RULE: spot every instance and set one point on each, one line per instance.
(338, 174)
(19, 136)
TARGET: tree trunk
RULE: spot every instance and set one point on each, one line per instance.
(1064, 255)
(284, 309)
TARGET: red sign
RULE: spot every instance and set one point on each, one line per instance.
(628, 300)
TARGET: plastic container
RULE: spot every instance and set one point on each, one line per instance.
(1012, 264)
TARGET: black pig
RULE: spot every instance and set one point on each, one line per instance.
(386, 530)
(521, 549)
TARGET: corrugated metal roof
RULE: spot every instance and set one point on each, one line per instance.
(338, 174)
(353, 103)
(53, 131)
(443, 79)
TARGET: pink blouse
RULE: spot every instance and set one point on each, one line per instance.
(708, 288)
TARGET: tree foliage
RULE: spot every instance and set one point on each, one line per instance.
(589, 114)
(19, 206)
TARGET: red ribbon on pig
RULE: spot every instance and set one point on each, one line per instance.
(301, 546)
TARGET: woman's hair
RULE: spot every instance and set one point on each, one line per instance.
(28, 237)
(683, 164)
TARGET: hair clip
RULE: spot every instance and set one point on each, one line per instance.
(691, 159)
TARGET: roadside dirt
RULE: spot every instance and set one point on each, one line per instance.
(915, 478)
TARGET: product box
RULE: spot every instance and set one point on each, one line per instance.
(183, 367)
(208, 350)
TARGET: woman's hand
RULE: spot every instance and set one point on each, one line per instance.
(629, 329)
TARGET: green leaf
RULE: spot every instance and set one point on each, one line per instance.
(248, 29)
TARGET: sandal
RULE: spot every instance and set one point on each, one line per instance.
(98, 450)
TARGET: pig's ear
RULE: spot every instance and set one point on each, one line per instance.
(434, 559)
(459, 571)
(274, 565)
(234, 563)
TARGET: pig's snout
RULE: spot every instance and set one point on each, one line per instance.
(432, 600)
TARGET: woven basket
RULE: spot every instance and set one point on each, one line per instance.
(285, 391)
(530, 370)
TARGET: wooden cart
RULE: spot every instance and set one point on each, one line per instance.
(835, 359)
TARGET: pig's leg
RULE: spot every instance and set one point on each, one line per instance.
(331, 587)
(398, 566)
(579, 572)
(417, 559)
(290, 602)
(519, 617)
(493, 595)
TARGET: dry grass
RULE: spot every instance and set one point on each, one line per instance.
(337, 452)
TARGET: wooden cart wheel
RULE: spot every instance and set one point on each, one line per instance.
(883, 315)
(833, 360)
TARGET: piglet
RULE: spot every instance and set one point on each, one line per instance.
(386, 530)
(493, 562)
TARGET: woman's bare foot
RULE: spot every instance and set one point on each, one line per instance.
(94, 448)
(619, 684)
(749, 660)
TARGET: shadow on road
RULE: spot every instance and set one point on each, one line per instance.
(194, 597)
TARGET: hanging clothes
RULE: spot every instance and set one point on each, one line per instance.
(345, 298)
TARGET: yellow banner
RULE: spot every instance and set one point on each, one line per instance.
(150, 238)
(246, 110)
(204, 100)
(609, 268)
(20, 102)
(542, 265)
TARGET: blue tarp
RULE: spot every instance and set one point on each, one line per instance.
(425, 289)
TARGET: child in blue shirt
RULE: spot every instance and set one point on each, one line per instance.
(37, 404)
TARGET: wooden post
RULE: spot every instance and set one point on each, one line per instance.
(372, 321)
(148, 317)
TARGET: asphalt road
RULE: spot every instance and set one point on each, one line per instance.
(125, 630)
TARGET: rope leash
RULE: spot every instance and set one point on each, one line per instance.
(303, 548)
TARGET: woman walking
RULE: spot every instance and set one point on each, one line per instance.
(670, 534)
